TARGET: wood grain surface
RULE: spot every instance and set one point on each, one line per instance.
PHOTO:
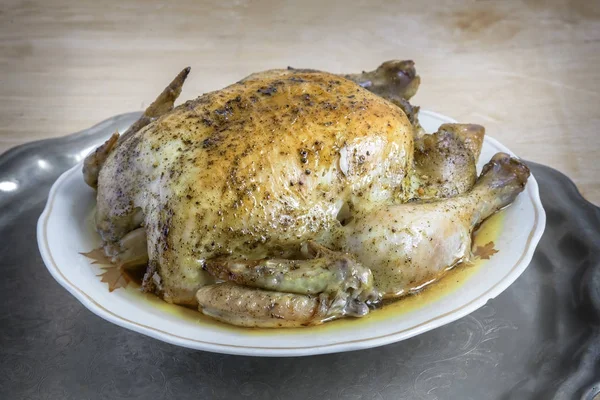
(527, 70)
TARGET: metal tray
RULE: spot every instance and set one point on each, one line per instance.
(540, 339)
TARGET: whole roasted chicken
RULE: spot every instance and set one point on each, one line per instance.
(294, 196)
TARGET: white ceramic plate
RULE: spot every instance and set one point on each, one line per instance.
(65, 229)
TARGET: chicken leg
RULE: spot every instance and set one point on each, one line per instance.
(410, 245)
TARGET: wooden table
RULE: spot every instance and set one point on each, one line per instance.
(527, 70)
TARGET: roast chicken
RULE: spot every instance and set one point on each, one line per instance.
(295, 196)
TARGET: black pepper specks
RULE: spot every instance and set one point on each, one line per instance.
(303, 156)
(267, 91)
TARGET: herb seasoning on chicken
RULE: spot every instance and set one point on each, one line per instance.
(294, 196)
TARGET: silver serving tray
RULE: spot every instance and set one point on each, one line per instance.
(540, 339)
